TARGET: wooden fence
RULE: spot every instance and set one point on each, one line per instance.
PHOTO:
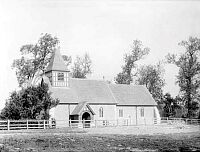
(98, 123)
(25, 124)
(45, 124)
(185, 121)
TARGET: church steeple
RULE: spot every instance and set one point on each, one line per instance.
(57, 63)
(57, 71)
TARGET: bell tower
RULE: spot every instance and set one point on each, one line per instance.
(57, 71)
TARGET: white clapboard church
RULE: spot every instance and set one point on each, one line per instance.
(84, 99)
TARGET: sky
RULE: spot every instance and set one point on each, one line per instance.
(104, 29)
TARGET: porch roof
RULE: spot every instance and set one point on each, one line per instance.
(79, 108)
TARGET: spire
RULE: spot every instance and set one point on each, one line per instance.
(56, 63)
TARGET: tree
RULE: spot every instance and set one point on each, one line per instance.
(137, 53)
(82, 67)
(67, 59)
(34, 57)
(171, 107)
(168, 101)
(152, 77)
(29, 103)
(180, 110)
(11, 109)
(188, 77)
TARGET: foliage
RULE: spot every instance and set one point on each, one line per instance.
(137, 53)
(82, 66)
(34, 57)
(189, 73)
(67, 59)
(152, 77)
(171, 107)
(199, 115)
(29, 103)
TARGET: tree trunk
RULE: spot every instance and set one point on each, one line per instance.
(189, 99)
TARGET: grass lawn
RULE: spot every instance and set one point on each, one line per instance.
(88, 140)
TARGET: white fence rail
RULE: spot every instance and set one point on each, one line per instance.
(180, 121)
(25, 124)
(98, 123)
(44, 124)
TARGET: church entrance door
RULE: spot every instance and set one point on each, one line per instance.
(86, 117)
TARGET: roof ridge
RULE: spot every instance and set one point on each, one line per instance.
(82, 79)
(134, 85)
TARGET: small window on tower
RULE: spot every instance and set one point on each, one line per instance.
(60, 76)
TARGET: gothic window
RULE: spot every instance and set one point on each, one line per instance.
(101, 112)
(120, 112)
(154, 113)
(60, 76)
(142, 112)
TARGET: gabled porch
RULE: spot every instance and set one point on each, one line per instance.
(82, 116)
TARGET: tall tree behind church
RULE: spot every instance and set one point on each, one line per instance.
(188, 77)
(82, 66)
(137, 53)
(34, 57)
(152, 77)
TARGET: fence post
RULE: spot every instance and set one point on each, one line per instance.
(70, 123)
(83, 123)
(27, 124)
(8, 124)
(44, 124)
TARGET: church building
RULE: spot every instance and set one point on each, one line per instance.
(97, 101)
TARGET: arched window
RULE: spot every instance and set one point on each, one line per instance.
(120, 112)
(101, 112)
(142, 112)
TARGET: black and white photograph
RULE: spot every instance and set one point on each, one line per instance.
(100, 76)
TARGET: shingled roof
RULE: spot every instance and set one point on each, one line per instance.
(131, 94)
(100, 92)
(92, 91)
(65, 95)
(56, 63)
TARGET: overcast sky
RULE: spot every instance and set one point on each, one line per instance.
(104, 29)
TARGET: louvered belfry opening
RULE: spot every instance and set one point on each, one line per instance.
(57, 71)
